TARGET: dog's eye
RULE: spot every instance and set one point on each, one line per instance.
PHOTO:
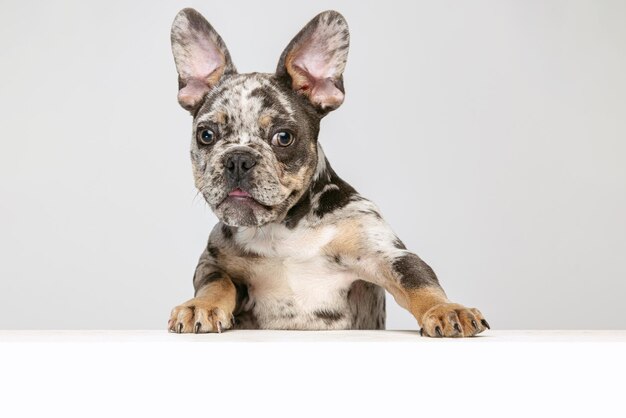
(282, 139)
(206, 136)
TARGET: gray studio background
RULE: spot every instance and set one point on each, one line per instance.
(492, 134)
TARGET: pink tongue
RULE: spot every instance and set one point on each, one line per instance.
(239, 192)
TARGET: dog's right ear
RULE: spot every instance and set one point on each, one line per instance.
(201, 57)
(315, 59)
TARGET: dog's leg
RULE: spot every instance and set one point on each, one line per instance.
(415, 287)
(211, 310)
(370, 247)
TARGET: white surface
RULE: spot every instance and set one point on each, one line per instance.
(490, 133)
(411, 337)
(311, 374)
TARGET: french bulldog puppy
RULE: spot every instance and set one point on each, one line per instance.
(296, 246)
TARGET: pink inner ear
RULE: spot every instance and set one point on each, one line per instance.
(314, 71)
(313, 59)
(190, 95)
(200, 70)
(320, 89)
(200, 64)
(325, 94)
(203, 58)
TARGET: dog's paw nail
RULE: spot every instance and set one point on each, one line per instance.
(180, 328)
(485, 323)
(474, 324)
(219, 327)
(197, 329)
(421, 332)
(457, 327)
(438, 331)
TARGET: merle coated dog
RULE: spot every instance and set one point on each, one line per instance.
(296, 246)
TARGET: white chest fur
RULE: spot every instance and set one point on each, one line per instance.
(294, 280)
(276, 240)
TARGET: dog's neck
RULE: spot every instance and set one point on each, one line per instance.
(326, 192)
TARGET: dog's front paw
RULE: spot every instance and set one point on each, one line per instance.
(452, 320)
(199, 316)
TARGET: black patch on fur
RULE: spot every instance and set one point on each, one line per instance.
(269, 99)
(286, 310)
(399, 244)
(328, 316)
(210, 278)
(213, 251)
(227, 231)
(298, 211)
(243, 319)
(380, 323)
(334, 198)
(367, 305)
(266, 97)
(336, 259)
(246, 320)
(242, 296)
(331, 200)
(414, 273)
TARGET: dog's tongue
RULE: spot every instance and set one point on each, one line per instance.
(238, 192)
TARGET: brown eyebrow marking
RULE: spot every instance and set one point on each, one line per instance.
(221, 117)
(265, 121)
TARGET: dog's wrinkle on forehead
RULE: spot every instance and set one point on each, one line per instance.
(271, 100)
(284, 101)
(248, 105)
(261, 146)
(221, 95)
(245, 111)
(218, 116)
(276, 97)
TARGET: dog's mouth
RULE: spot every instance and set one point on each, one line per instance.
(238, 193)
(239, 196)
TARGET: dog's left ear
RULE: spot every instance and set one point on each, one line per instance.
(200, 55)
(314, 60)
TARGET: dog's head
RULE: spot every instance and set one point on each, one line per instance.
(254, 148)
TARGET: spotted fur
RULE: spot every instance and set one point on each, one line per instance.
(305, 250)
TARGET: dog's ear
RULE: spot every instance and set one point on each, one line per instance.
(200, 55)
(314, 60)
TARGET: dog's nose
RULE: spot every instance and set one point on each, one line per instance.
(239, 164)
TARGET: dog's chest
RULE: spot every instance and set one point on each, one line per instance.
(292, 283)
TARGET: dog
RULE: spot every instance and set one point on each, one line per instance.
(296, 247)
